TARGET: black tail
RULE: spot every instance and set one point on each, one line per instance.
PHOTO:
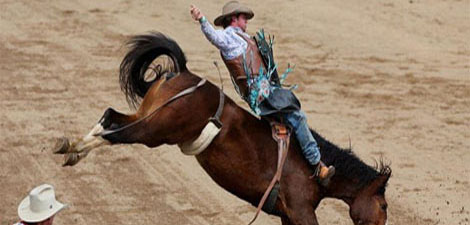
(144, 49)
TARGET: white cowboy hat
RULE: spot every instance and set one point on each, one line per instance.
(233, 8)
(39, 205)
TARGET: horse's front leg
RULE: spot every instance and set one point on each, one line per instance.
(75, 151)
(300, 216)
(299, 199)
(286, 221)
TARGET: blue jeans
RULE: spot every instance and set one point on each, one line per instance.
(298, 121)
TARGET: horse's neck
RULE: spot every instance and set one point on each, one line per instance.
(343, 188)
(351, 173)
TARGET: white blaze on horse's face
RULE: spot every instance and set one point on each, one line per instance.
(92, 140)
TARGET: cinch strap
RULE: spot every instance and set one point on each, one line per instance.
(208, 134)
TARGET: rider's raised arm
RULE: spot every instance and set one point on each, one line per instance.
(217, 37)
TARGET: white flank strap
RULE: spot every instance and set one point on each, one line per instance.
(200, 144)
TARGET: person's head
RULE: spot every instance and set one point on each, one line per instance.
(48, 221)
(239, 20)
(234, 14)
(40, 206)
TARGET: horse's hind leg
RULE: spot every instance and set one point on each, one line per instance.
(75, 151)
(112, 119)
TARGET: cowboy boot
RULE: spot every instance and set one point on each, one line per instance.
(324, 173)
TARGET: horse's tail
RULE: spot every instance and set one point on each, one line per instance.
(144, 49)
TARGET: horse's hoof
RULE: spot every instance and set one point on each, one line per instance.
(71, 159)
(61, 146)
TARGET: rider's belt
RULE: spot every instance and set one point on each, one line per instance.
(253, 61)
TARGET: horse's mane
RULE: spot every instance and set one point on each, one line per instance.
(348, 165)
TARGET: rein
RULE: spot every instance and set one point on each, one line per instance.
(180, 94)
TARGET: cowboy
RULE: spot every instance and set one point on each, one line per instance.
(242, 57)
(39, 207)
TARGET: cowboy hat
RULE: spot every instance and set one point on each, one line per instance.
(233, 8)
(39, 205)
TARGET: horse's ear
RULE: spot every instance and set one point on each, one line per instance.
(380, 182)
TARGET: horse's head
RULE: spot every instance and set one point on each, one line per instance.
(370, 207)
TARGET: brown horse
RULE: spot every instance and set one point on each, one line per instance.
(242, 157)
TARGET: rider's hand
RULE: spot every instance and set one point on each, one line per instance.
(196, 13)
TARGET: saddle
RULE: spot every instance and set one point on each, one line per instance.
(281, 133)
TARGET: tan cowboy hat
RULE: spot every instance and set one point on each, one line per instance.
(39, 205)
(233, 8)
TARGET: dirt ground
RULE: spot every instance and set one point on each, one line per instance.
(391, 78)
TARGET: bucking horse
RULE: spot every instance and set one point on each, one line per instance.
(177, 107)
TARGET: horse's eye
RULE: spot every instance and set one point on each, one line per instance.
(384, 207)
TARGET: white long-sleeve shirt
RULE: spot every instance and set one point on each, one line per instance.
(230, 44)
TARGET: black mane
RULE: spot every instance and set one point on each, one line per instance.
(347, 164)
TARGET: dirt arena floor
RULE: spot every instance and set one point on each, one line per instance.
(391, 78)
